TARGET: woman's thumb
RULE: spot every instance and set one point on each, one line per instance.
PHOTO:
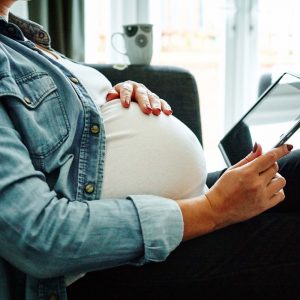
(256, 152)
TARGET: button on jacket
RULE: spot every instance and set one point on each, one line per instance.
(53, 221)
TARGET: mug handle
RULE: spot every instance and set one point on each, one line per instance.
(112, 42)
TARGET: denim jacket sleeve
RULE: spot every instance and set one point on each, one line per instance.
(46, 236)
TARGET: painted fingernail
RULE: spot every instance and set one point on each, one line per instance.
(110, 96)
(254, 147)
(289, 147)
(148, 108)
(156, 111)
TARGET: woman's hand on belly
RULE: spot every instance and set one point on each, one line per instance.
(148, 102)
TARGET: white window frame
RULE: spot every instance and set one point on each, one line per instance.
(241, 59)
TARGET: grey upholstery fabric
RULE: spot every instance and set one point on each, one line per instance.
(176, 85)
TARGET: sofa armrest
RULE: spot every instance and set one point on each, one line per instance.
(176, 85)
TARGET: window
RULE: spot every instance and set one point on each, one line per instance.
(97, 28)
(186, 35)
(226, 44)
(191, 35)
(278, 34)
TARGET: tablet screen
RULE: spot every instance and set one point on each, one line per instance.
(272, 120)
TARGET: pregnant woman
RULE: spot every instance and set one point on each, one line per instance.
(90, 187)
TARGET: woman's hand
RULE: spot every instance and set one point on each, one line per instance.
(248, 188)
(148, 101)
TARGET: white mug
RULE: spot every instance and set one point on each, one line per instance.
(138, 40)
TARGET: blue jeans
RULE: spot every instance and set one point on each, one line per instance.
(256, 259)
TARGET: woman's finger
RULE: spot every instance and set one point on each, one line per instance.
(141, 96)
(277, 183)
(276, 198)
(270, 173)
(166, 108)
(112, 94)
(155, 103)
(126, 91)
(256, 152)
(266, 160)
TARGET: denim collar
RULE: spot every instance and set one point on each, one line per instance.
(18, 28)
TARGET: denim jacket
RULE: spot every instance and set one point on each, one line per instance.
(53, 221)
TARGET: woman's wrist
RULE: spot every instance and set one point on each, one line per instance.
(198, 217)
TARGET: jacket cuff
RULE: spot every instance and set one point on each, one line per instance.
(162, 226)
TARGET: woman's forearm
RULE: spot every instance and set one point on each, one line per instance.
(198, 217)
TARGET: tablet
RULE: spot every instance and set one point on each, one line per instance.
(271, 121)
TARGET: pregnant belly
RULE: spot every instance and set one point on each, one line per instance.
(146, 154)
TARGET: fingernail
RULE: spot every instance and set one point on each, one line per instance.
(169, 112)
(156, 111)
(109, 96)
(112, 94)
(127, 100)
(289, 147)
(254, 147)
(148, 108)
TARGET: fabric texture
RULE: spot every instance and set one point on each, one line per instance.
(64, 20)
